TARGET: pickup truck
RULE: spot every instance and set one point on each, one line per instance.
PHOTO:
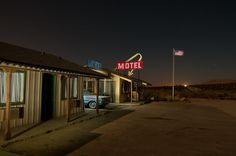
(91, 100)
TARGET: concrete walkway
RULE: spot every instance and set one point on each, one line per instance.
(22, 134)
(57, 137)
(31, 131)
(27, 132)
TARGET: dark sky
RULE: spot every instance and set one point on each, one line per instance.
(113, 30)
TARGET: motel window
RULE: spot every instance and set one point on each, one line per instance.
(17, 87)
(125, 87)
(63, 88)
(73, 87)
(89, 85)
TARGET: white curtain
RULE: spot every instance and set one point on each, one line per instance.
(74, 87)
(17, 87)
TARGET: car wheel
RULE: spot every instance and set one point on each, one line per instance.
(92, 104)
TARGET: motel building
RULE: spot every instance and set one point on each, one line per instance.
(120, 87)
(36, 86)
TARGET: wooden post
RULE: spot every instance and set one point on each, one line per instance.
(97, 103)
(137, 92)
(7, 133)
(68, 98)
(131, 89)
(105, 85)
(86, 83)
(82, 92)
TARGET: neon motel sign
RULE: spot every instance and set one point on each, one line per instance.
(138, 65)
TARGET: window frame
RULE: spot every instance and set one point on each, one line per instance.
(24, 92)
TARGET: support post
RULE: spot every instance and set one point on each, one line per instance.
(136, 96)
(131, 90)
(7, 133)
(97, 103)
(68, 98)
(82, 92)
(86, 83)
(105, 85)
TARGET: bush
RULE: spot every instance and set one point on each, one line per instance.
(150, 95)
(164, 93)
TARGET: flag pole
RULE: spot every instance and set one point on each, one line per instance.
(173, 75)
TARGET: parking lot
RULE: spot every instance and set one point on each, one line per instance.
(201, 127)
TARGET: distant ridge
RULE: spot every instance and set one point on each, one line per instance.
(210, 82)
(219, 81)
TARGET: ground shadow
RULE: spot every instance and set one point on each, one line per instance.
(66, 144)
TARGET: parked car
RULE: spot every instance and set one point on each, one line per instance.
(91, 100)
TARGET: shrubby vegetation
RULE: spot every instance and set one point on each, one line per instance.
(209, 91)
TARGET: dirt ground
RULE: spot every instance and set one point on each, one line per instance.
(201, 127)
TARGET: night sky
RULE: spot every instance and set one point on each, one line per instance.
(113, 30)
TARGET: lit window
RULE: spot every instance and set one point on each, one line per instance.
(89, 85)
(17, 87)
(73, 87)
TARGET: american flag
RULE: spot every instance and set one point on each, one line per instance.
(178, 52)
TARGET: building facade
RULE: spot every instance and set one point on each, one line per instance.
(119, 87)
(35, 87)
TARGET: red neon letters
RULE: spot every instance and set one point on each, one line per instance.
(129, 65)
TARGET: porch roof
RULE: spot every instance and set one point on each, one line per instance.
(127, 77)
(18, 55)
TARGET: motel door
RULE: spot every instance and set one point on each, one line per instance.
(48, 97)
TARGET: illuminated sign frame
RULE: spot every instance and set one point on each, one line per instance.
(131, 66)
